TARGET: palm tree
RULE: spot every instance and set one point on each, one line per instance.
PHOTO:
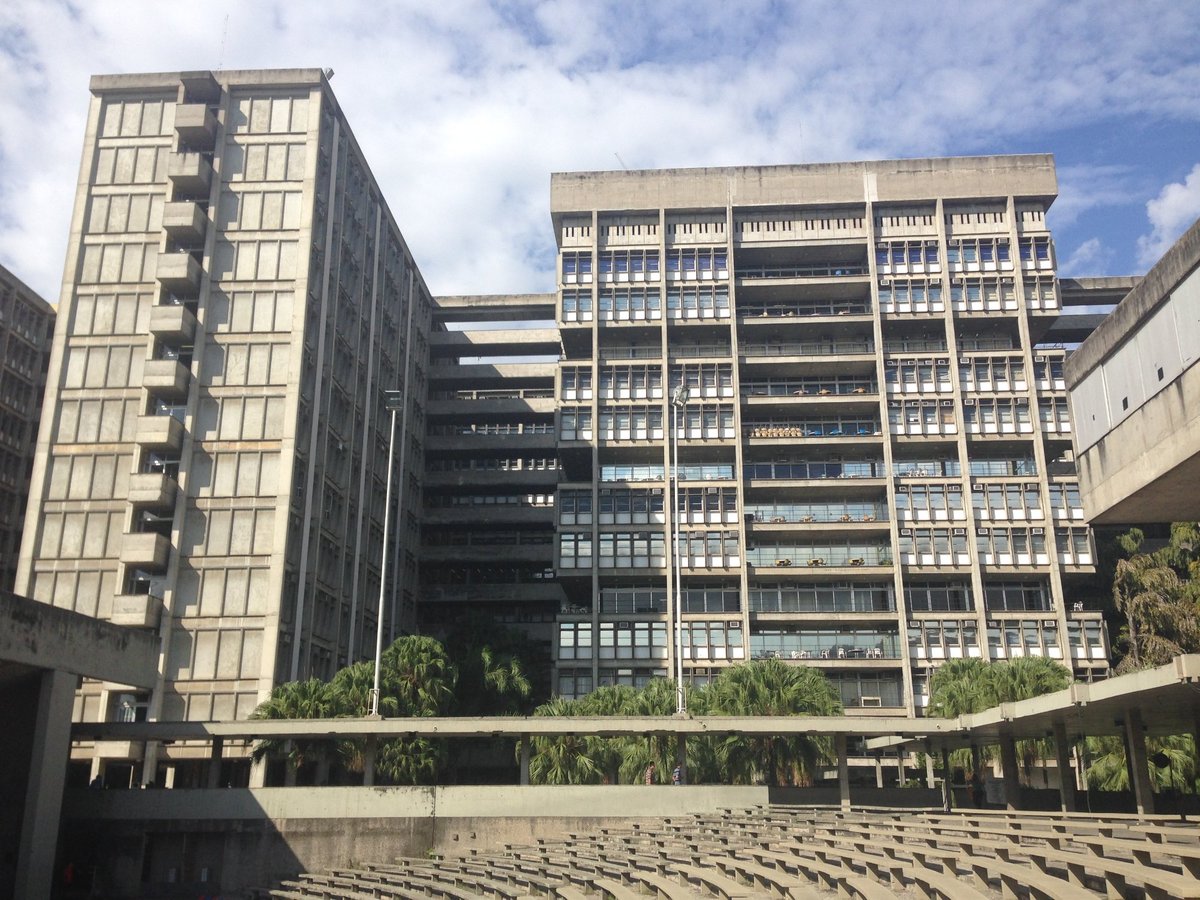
(1107, 769)
(418, 673)
(1161, 617)
(773, 688)
(562, 759)
(312, 699)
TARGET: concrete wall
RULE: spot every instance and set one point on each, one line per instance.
(1135, 398)
(256, 837)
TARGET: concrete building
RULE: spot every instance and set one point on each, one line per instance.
(491, 473)
(1135, 396)
(874, 469)
(26, 329)
(211, 462)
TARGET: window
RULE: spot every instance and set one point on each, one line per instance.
(574, 640)
(1017, 596)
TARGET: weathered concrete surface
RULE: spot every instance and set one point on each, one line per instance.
(256, 837)
(849, 182)
(45, 637)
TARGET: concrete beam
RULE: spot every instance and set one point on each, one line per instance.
(45, 637)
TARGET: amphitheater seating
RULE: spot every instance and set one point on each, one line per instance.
(804, 853)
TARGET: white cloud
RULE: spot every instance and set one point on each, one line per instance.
(1089, 258)
(1175, 208)
(464, 108)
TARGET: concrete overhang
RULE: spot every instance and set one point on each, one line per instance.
(45, 637)
(495, 307)
(512, 727)
(1171, 692)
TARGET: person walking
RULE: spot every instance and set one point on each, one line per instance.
(648, 777)
(677, 776)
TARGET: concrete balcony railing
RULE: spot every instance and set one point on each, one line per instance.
(172, 324)
(191, 174)
(152, 490)
(147, 550)
(196, 125)
(184, 221)
(179, 274)
(166, 378)
(160, 432)
(136, 610)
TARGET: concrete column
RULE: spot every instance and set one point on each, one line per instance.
(947, 798)
(369, 753)
(258, 773)
(681, 756)
(50, 752)
(524, 759)
(900, 768)
(214, 763)
(843, 764)
(930, 778)
(1066, 778)
(879, 772)
(1135, 752)
(1008, 764)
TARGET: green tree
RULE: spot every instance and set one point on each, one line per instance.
(1107, 770)
(312, 699)
(418, 673)
(565, 758)
(772, 688)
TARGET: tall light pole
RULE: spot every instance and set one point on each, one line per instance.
(393, 401)
(678, 401)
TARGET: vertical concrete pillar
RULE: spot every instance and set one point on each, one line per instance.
(879, 772)
(1135, 752)
(900, 767)
(843, 764)
(1066, 778)
(681, 756)
(214, 763)
(369, 754)
(1008, 764)
(930, 778)
(524, 759)
(258, 773)
(50, 752)
(947, 800)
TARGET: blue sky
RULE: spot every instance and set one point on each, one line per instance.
(465, 107)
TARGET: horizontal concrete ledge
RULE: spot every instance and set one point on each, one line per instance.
(513, 727)
(472, 802)
(45, 637)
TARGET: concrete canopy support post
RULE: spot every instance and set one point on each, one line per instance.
(947, 800)
(930, 778)
(681, 756)
(1135, 750)
(524, 760)
(369, 752)
(1008, 764)
(843, 764)
(50, 751)
(879, 772)
(214, 763)
(1066, 779)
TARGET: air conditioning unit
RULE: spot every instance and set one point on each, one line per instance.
(947, 403)
(871, 701)
(964, 360)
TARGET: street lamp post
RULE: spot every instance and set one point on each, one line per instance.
(678, 401)
(392, 401)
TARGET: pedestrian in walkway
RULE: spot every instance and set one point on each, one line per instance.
(649, 775)
(677, 776)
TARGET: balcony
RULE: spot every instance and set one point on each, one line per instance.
(146, 550)
(172, 324)
(179, 274)
(185, 221)
(166, 378)
(196, 125)
(136, 610)
(160, 433)
(153, 490)
(190, 173)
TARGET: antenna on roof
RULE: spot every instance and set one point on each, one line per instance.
(621, 161)
(328, 74)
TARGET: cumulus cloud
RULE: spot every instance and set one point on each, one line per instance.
(1175, 208)
(1091, 257)
(464, 108)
